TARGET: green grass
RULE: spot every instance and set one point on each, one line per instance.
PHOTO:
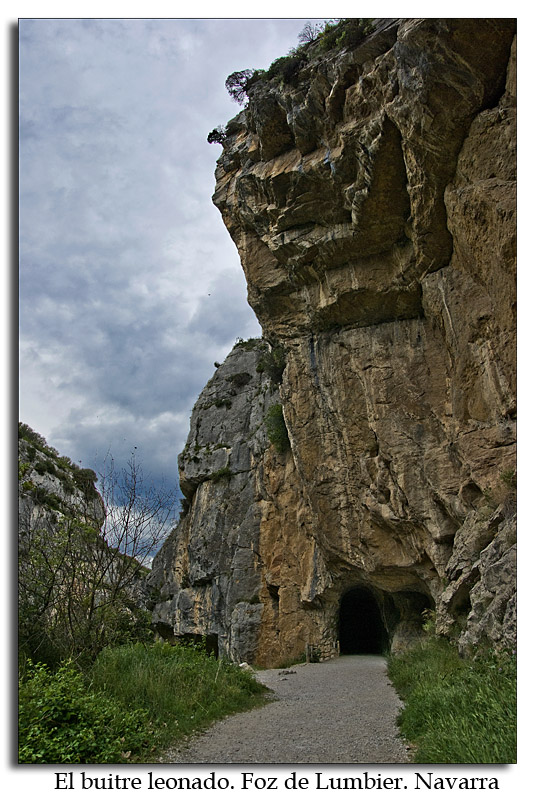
(181, 687)
(135, 700)
(456, 711)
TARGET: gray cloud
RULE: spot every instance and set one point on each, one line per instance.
(130, 285)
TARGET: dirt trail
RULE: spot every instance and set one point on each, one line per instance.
(339, 711)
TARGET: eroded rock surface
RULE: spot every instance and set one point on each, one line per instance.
(373, 206)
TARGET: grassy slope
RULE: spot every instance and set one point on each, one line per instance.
(456, 711)
(136, 700)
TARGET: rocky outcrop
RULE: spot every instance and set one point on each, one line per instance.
(372, 201)
(79, 585)
(51, 487)
(212, 568)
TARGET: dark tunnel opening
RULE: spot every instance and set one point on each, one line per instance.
(361, 628)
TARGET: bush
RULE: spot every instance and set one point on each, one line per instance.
(85, 480)
(29, 435)
(36, 440)
(333, 34)
(276, 428)
(223, 402)
(217, 135)
(42, 497)
(344, 33)
(353, 31)
(250, 344)
(239, 379)
(63, 721)
(287, 67)
(42, 467)
(273, 362)
(456, 711)
(221, 474)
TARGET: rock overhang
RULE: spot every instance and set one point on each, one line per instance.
(377, 239)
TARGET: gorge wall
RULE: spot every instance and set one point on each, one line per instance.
(372, 201)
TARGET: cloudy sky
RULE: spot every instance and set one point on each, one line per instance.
(130, 286)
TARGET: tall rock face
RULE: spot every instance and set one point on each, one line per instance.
(372, 201)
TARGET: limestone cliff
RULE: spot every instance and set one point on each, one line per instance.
(372, 201)
(51, 486)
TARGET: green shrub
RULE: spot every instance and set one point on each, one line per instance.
(40, 494)
(218, 135)
(63, 721)
(333, 34)
(250, 344)
(276, 428)
(344, 33)
(239, 379)
(287, 67)
(456, 710)
(36, 440)
(85, 480)
(222, 402)
(220, 474)
(29, 435)
(328, 36)
(135, 700)
(273, 363)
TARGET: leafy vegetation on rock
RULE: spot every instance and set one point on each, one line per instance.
(239, 379)
(221, 474)
(273, 363)
(344, 33)
(250, 344)
(34, 438)
(314, 40)
(218, 135)
(236, 84)
(223, 402)
(276, 428)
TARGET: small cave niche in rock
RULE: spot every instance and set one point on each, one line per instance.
(361, 628)
(274, 594)
(208, 642)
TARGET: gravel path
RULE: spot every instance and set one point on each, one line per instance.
(339, 711)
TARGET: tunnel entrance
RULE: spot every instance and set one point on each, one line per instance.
(361, 628)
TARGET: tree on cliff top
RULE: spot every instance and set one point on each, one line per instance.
(322, 37)
(236, 84)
